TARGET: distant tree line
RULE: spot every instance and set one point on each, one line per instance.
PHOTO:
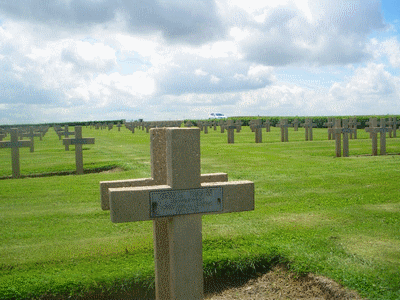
(320, 121)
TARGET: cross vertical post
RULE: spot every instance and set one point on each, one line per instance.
(67, 133)
(206, 125)
(230, 127)
(373, 131)
(267, 124)
(353, 124)
(373, 124)
(238, 125)
(221, 124)
(330, 123)
(394, 126)
(183, 172)
(337, 133)
(15, 144)
(308, 126)
(382, 130)
(257, 128)
(345, 132)
(31, 135)
(283, 124)
(78, 141)
(78, 151)
(390, 123)
(296, 124)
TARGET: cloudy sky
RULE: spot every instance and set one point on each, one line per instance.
(82, 60)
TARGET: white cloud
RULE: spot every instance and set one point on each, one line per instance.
(389, 48)
(200, 72)
(214, 79)
(336, 34)
(192, 22)
(92, 57)
(162, 57)
(372, 90)
(260, 73)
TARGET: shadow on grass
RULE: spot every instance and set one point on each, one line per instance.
(105, 169)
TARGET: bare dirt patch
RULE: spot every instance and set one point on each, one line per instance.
(279, 283)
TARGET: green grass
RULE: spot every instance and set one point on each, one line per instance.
(338, 217)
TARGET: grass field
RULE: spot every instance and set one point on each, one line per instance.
(337, 217)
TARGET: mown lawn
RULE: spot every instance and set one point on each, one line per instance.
(338, 217)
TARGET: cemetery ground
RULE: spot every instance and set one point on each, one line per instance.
(337, 217)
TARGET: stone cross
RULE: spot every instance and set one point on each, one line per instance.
(130, 126)
(206, 125)
(200, 125)
(21, 131)
(188, 124)
(296, 124)
(176, 206)
(230, 127)
(148, 126)
(78, 141)
(66, 133)
(330, 123)
(15, 144)
(31, 134)
(372, 122)
(373, 131)
(42, 130)
(58, 129)
(238, 125)
(221, 124)
(251, 124)
(119, 126)
(203, 125)
(394, 126)
(283, 124)
(214, 124)
(338, 130)
(257, 127)
(353, 124)
(392, 123)
(308, 126)
(267, 124)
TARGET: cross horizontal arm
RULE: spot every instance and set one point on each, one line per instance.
(19, 144)
(237, 195)
(105, 185)
(378, 129)
(78, 141)
(133, 204)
